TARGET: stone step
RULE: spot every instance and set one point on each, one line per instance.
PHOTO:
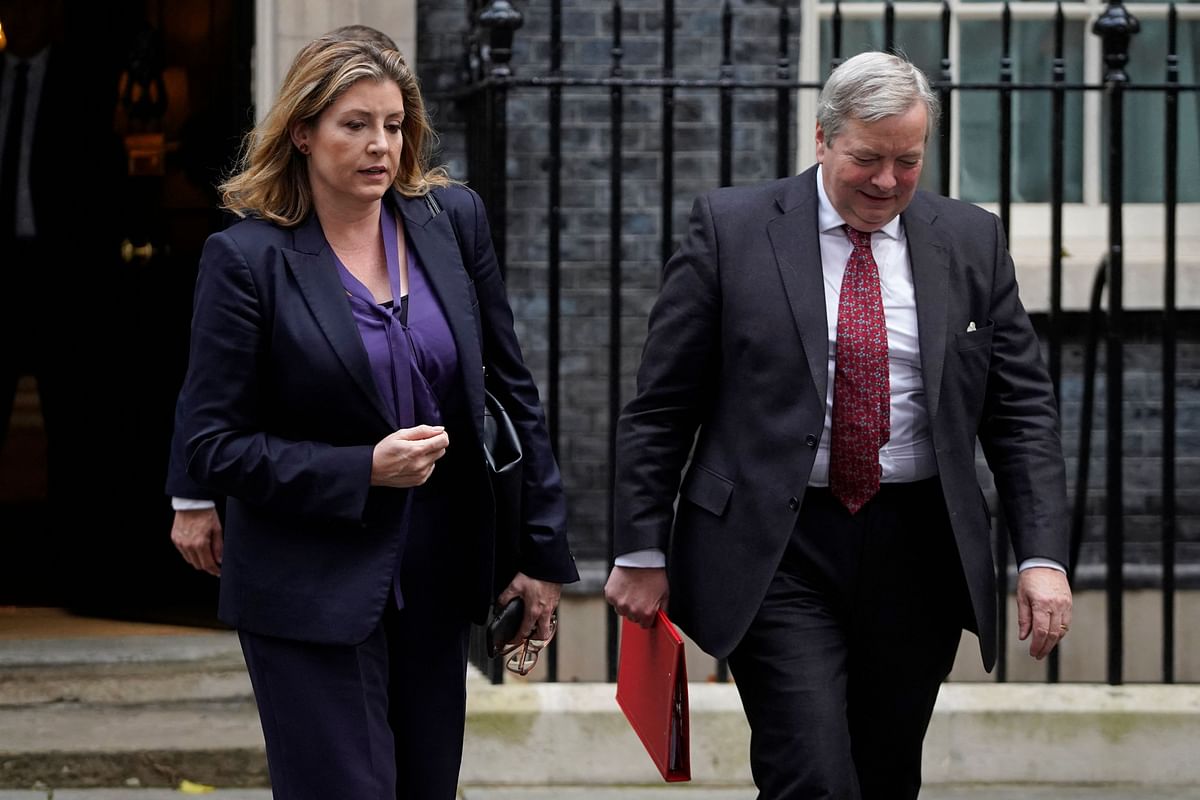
(152, 712)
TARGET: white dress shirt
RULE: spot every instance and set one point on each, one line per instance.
(908, 455)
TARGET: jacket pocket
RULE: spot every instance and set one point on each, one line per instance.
(981, 337)
(708, 490)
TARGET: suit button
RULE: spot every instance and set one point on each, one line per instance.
(810, 440)
(793, 503)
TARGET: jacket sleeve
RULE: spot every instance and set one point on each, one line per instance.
(227, 444)
(179, 483)
(1020, 429)
(544, 550)
(675, 382)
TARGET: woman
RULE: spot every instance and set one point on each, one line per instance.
(341, 339)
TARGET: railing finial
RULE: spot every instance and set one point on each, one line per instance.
(501, 20)
(1116, 26)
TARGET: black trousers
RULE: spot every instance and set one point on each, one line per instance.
(37, 318)
(384, 719)
(841, 667)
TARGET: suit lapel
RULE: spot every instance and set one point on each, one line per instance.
(930, 267)
(433, 239)
(311, 264)
(794, 238)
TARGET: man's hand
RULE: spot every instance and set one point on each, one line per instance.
(198, 537)
(637, 593)
(1043, 608)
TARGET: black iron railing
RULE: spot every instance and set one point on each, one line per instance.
(489, 81)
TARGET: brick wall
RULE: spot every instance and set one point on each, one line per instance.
(585, 242)
(1142, 444)
(585, 196)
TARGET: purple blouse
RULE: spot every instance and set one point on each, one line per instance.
(409, 345)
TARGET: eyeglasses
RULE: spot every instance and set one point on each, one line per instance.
(522, 655)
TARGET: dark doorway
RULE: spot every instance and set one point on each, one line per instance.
(149, 106)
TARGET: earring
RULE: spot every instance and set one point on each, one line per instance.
(303, 149)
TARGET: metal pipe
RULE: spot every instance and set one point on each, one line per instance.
(725, 98)
(946, 102)
(616, 103)
(1054, 326)
(889, 26)
(1169, 337)
(1006, 97)
(666, 241)
(1116, 26)
(783, 97)
(554, 265)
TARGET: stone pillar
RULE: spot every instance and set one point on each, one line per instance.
(282, 27)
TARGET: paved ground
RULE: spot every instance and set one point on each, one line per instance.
(932, 793)
(679, 792)
(142, 676)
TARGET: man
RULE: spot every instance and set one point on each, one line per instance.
(58, 253)
(32, 142)
(826, 350)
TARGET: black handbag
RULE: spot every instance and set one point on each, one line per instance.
(503, 453)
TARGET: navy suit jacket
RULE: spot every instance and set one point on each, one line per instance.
(735, 362)
(280, 414)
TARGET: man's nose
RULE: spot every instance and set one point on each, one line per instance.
(885, 177)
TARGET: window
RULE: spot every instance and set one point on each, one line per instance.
(975, 53)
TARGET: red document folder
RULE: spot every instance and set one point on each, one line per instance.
(652, 691)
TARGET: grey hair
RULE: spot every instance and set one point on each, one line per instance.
(872, 86)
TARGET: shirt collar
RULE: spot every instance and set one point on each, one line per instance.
(35, 61)
(829, 219)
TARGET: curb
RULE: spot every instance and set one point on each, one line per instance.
(151, 714)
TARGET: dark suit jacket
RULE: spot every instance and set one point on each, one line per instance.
(74, 129)
(737, 353)
(281, 415)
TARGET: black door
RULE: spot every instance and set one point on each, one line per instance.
(142, 112)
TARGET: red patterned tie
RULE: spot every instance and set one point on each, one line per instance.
(861, 388)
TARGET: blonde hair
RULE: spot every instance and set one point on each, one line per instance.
(271, 178)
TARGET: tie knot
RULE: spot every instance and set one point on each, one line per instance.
(858, 238)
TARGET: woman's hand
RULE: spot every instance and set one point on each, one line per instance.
(197, 535)
(541, 599)
(405, 458)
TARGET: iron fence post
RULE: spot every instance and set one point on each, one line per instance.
(1115, 27)
(501, 21)
(1169, 343)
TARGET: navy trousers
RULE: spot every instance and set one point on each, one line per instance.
(841, 667)
(384, 719)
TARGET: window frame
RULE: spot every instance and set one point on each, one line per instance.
(1029, 221)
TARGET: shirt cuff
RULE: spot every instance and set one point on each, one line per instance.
(190, 504)
(1041, 562)
(649, 558)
